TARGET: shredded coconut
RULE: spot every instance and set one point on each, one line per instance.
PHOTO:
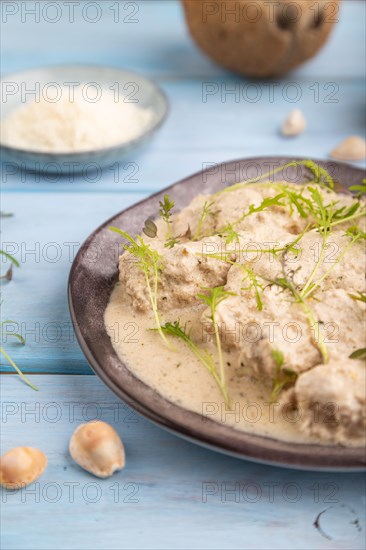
(70, 126)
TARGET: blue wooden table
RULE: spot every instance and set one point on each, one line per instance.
(172, 494)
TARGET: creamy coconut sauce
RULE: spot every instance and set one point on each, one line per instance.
(303, 411)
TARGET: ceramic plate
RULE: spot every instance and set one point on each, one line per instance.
(90, 285)
(47, 82)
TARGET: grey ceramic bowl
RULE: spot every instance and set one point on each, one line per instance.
(140, 90)
(90, 286)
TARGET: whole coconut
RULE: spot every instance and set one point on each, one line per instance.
(261, 38)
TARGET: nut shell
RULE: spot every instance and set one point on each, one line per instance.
(97, 448)
(352, 148)
(21, 466)
(294, 124)
(260, 38)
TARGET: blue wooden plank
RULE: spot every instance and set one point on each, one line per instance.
(172, 494)
(37, 297)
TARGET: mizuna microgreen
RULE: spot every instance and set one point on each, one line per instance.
(228, 230)
(19, 337)
(21, 340)
(206, 211)
(224, 255)
(165, 212)
(212, 299)
(11, 258)
(150, 263)
(175, 329)
(253, 285)
(319, 175)
(229, 234)
(171, 242)
(287, 283)
(283, 376)
(360, 190)
(360, 297)
(355, 235)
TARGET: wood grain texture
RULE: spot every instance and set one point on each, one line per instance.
(54, 217)
(186, 496)
(45, 250)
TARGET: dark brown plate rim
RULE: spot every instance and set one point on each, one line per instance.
(89, 287)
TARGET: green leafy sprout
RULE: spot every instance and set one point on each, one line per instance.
(359, 190)
(207, 210)
(9, 257)
(254, 285)
(283, 375)
(212, 299)
(17, 336)
(150, 263)
(318, 175)
(324, 216)
(165, 212)
(287, 284)
(226, 255)
(301, 296)
(4, 332)
(21, 340)
(359, 296)
(266, 203)
(355, 235)
(205, 358)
